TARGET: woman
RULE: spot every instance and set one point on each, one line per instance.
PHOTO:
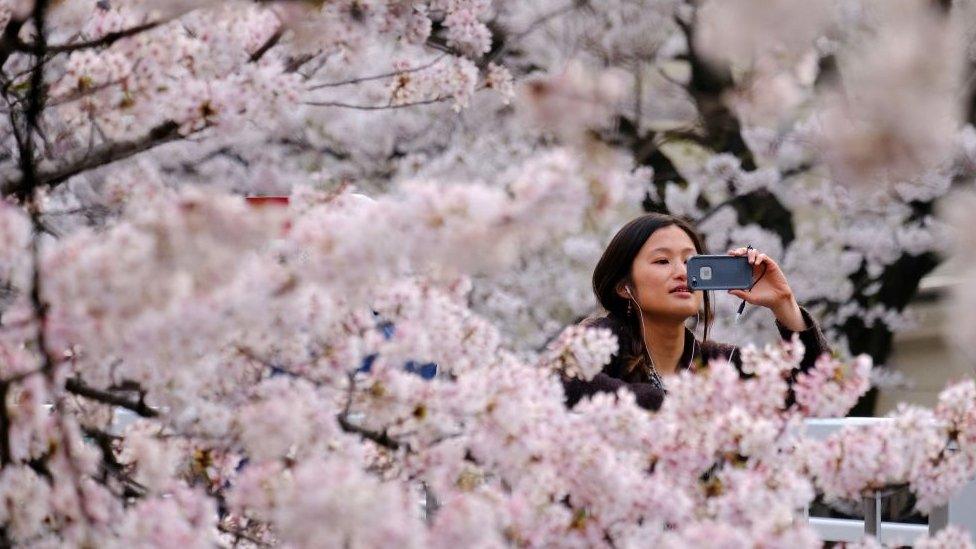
(641, 281)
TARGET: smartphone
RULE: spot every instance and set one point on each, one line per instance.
(719, 272)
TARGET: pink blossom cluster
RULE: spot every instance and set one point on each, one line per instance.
(465, 28)
(194, 71)
(581, 352)
(263, 421)
(457, 79)
(252, 415)
(271, 352)
(930, 451)
(942, 467)
(381, 55)
(589, 94)
(831, 387)
(227, 67)
(490, 442)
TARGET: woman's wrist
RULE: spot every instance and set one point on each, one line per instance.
(788, 314)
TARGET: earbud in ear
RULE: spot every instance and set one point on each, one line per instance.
(629, 291)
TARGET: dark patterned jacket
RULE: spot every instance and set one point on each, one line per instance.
(616, 374)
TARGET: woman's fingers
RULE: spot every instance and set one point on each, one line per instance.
(741, 294)
(768, 281)
(754, 256)
(751, 254)
(756, 259)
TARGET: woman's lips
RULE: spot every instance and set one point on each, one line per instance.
(681, 292)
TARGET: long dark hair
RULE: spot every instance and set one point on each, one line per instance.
(615, 266)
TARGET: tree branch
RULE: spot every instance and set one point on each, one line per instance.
(111, 465)
(103, 154)
(35, 104)
(377, 76)
(27, 191)
(32, 175)
(439, 99)
(106, 40)
(440, 44)
(242, 534)
(377, 107)
(6, 455)
(10, 40)
(81, 94)
(381, 438)
(268, 44)
(78, 387)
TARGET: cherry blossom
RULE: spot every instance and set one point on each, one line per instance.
(181, 367)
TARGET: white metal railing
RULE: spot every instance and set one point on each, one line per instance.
(960, 510)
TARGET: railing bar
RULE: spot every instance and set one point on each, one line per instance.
(850, 530)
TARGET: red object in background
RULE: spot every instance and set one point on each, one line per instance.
(267, 200)
(271, 201)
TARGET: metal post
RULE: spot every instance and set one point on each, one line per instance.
(430, 503)
(938, 519)
(872, 514)
(962, 509)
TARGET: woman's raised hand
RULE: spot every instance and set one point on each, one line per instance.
(770, 289)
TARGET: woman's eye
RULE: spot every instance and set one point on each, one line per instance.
(661, 261)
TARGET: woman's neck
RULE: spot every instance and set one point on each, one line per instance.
(665, 342)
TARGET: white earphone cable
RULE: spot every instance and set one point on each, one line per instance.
(640, 313)
(734, 347)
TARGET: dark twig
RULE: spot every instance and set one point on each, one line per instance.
(81, 94)
(271, 42)
(6, 455)
(381, 438)
(35, 103)
(78, 387)
(239, 533)
(381, 76)
(297, 62)
(106, 40)
(111, 465)
(439, 99)
(440, 44)
(10, 39)
(103, 154)
(340, 104)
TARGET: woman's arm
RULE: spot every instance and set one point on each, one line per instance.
(648, 396)
(812, 338)
(771, 290)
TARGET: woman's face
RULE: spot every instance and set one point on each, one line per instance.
(660, 277)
